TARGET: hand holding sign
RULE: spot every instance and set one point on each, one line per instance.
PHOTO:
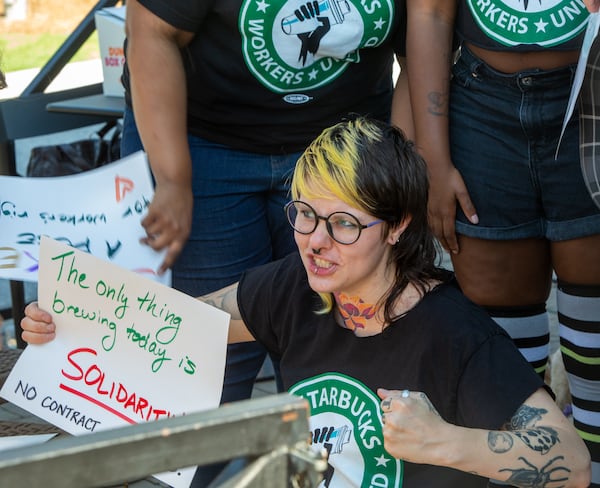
(127, 349)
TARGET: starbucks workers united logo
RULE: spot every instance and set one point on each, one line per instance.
(345, 420)
(298, 45)
(543, 22)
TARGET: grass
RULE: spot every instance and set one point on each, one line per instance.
(24, 51)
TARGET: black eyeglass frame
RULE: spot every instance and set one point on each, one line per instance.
(318, 217)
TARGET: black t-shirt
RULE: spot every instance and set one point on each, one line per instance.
(522, 26)
(264, 79)
(446, 347)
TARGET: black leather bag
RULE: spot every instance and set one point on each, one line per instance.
(78, 156)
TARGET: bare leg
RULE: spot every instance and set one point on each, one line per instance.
(512, 279)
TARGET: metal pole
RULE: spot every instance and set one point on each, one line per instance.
(272, 430)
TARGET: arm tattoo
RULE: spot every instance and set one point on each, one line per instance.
(499, 442)
(532, 477)
(432, 409)
(438, 103)
(525, 417)
(541, 439)
(524, 426)
(226, 300)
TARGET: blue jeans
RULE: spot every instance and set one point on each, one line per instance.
(238, 223)
(504, 133)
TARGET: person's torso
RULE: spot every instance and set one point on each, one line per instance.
(270, 76)
(522, 25)
(338, 373)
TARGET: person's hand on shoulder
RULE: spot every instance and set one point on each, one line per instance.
(37, 325)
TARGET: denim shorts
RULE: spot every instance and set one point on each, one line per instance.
(504, 134)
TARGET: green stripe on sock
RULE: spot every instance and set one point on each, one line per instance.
(586, 436)
(579, 358)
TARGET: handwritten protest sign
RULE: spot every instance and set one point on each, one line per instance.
(127, 349)
(97, 211)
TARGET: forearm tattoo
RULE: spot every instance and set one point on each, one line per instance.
(531, 476)
(438, 103)
(226, 300)
(500, 442)
(523, 425)
(525, 417)
(541, 439)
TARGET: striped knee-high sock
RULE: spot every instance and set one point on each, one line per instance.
(529, 329)
(579, 328)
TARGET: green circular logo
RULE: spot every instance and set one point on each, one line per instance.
(542, 22)
(302, 45)
(345, 419)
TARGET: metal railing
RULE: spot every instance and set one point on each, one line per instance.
(272, 432)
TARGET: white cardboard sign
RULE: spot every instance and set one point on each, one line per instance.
(98, 211)
(127, 349)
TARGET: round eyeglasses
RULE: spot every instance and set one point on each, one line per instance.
(343, 227)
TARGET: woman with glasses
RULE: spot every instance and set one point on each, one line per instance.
(409, 384)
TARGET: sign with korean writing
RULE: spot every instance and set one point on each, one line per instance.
(98, 211)
(127, 349)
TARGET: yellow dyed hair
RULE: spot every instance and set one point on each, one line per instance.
(330, 165)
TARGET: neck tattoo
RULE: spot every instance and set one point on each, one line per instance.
(354, 311)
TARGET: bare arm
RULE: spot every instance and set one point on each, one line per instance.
(159, 96)
(537, 447)
(429, 58)
(592, 5)
(39, 328)
(226, 300)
